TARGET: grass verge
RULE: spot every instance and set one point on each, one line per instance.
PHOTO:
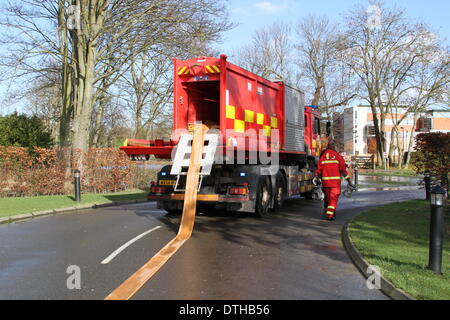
(395, 238)
(15, 206)
(388, 173)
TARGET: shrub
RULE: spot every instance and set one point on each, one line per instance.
(48, 171)
(23, 131)
(433, 155)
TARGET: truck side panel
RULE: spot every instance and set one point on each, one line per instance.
(295, 119)
(252, 103)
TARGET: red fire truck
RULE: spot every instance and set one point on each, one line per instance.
(268, 142)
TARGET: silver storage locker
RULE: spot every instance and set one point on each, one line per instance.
(294, 114)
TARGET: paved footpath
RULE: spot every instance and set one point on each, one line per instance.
(294, 254)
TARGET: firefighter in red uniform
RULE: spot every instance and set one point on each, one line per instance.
(330, 169)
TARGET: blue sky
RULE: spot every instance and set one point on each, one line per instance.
(252, 15)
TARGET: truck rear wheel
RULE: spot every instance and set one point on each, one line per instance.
(262, 197)
(175, 212)
(207, 209)
(280, 191)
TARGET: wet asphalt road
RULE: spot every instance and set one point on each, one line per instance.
(294, 254)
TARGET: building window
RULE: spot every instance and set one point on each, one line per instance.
(370, 131)
(424, 125)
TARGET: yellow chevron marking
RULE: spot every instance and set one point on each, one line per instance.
(266, 131)
(249, 116)
(231, 112)
(274, 122)
(260, 118)
(239, 126)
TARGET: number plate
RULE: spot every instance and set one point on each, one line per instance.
(167, 182)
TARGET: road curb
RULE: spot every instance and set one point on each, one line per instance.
(53, 212)
(386, 287)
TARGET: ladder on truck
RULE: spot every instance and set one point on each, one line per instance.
(182, 158)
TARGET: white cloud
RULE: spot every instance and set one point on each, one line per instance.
(269, 7)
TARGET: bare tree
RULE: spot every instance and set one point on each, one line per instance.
(320, 49)
(429, 85)
(377, 37)
(148, 90)
(270, 53)
(43, 101)
(92, 44)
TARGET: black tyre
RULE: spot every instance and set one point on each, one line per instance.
(207, 209)
(280, 192)
(175, 212)
(309, 195)
(262, 197)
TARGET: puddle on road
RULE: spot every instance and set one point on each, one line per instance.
(388, 178)
(399, 188)
(389, 183)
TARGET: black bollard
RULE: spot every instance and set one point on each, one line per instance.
(356, 176)
(427, 186)
(436, 229)
(77, 185)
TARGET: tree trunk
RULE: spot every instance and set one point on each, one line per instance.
(317, 92)
(411, 141)
(66, 105)
(98, 121)
(84, 104)
(378, 137)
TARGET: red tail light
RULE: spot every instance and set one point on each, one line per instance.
(242, 191)
(158, 189)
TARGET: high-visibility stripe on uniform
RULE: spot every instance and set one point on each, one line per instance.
(331, 178)
(331, 207)
(347, 177)
(330, 213)
(330, 161)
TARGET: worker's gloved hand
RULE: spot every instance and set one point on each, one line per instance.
(351, 185)
(316, 181)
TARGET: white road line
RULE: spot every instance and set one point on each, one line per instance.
(115, 253)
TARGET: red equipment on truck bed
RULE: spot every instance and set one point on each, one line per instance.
(265, 123)
(227, 97)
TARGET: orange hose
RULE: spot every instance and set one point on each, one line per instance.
(132, 285)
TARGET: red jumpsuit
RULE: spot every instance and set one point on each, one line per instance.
(331, 167)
